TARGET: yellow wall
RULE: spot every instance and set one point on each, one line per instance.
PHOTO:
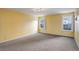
(77, 29)
(53, 25)
(14, 24)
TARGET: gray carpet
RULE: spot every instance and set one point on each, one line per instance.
(40, 42)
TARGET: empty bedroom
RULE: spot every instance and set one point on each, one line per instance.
(39, 29)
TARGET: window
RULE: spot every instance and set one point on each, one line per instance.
(42, 24)
(67, 23)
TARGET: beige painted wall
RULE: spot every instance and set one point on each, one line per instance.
(53, 25)
(14, 24)
(77, 28)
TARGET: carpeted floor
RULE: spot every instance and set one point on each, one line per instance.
(40, 42)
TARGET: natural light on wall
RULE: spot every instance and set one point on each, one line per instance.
(35, 23)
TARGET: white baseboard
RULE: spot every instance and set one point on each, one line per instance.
(17, 37)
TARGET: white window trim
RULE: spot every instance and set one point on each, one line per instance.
(62, 24)
(42, 29)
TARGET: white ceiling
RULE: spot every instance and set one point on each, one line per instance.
(46, 12)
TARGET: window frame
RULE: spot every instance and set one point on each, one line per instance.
(71, 22)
